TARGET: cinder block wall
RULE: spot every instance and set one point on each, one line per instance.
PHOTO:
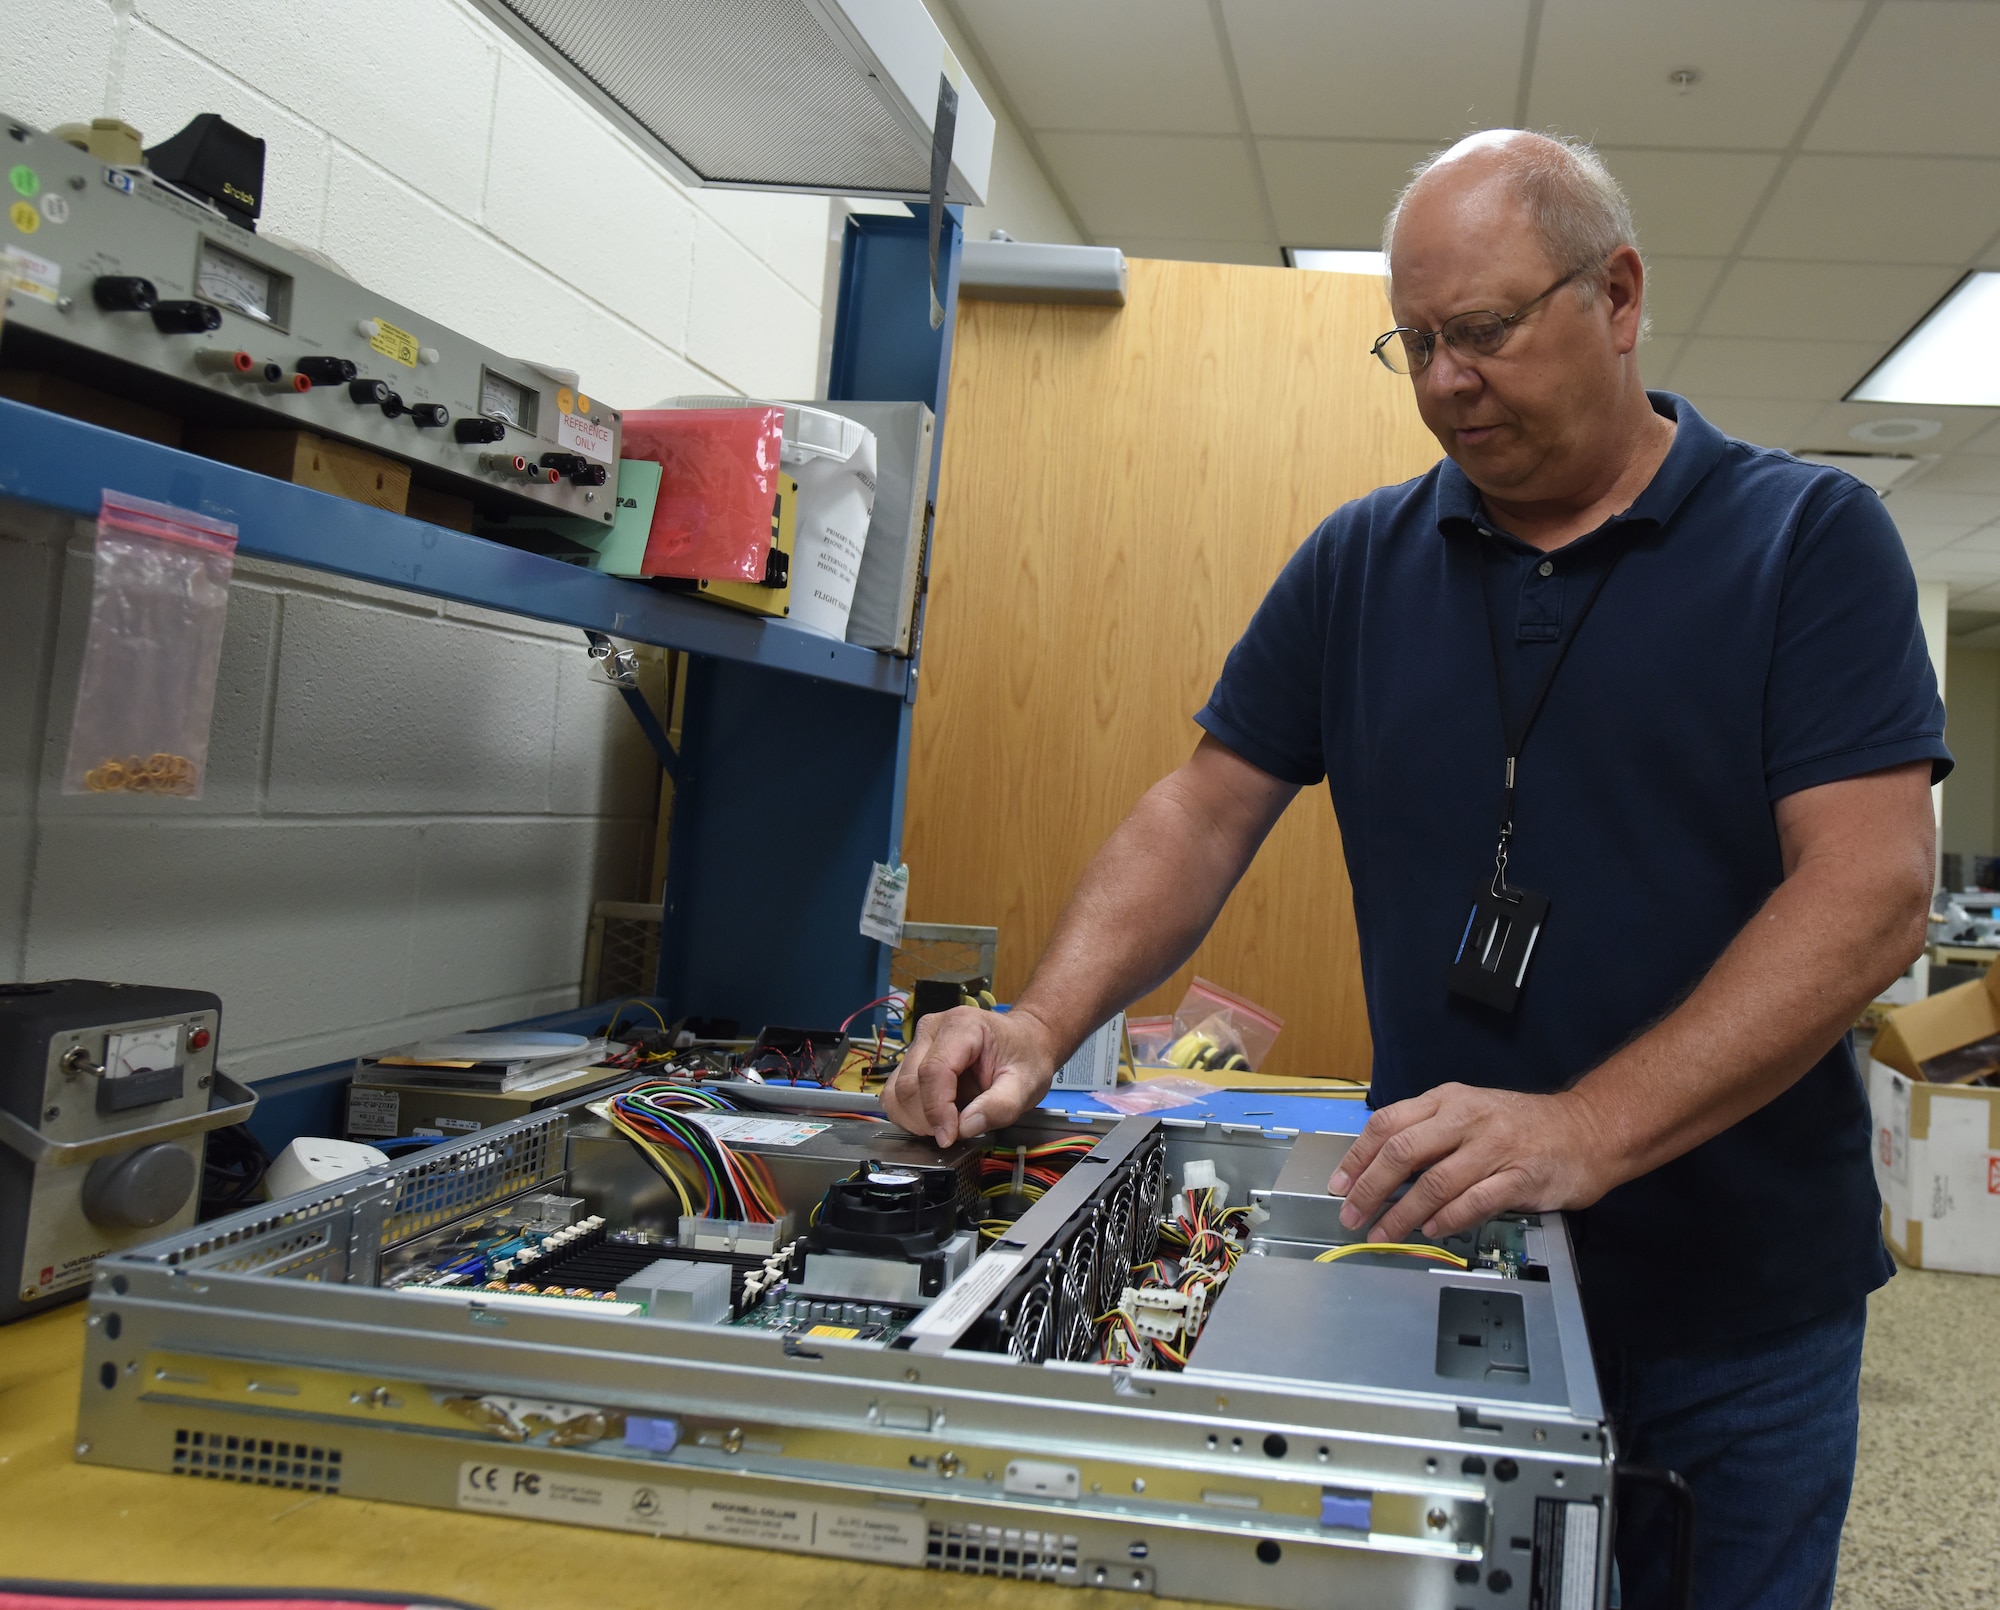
(411, 807)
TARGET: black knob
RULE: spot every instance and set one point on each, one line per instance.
(326, 371)
(369, 393)
(562, 463)
(587, 475)
(475, 431)
(186, 318)
(429, 415)
(394, 407)
(124, 293)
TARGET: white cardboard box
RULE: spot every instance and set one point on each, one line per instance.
(1095, 1065)
(1937, 1165)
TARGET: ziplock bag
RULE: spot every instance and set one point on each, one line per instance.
(158, 601)
(832, 458)
(718, 476)
(1214, 1027)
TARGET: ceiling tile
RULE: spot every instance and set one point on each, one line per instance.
(1196, 186)
(1963, 472)
(1258, 253)
(1657, 358)
(1862, 302)
(1881, 210)
(1675, 289)
(1956, 428)
(1961, 511)
(1335, 193)
(1923, 540)
(1691, 203)
(1426, 70)
(1769, 422)
(1985, 441)
(1979, 547)
(1128, 65)
(1922, 80)
(1745, 366)
(1601, 68)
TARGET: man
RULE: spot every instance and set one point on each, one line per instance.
(1613, 975)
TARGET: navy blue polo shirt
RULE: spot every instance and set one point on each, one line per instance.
(1757, 636)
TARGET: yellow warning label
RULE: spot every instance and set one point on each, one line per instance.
(840, 1333)
(24, 217)
(395, 344)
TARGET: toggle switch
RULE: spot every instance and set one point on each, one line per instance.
(124, 293)
(186, 318)
(431, 416)
(394, 407)
(326, 371)
(369, 393)
(476, 431)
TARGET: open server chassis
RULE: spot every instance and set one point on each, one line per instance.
(1321, 1448)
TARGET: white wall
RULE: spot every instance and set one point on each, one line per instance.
(411, 806)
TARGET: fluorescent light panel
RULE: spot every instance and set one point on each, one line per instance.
(1951, 359)
(1337, 262)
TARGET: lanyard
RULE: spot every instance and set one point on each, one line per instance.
(1516, 733)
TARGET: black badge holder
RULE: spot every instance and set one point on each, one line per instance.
(1499, 938)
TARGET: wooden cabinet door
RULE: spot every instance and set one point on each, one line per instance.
(1119, 488)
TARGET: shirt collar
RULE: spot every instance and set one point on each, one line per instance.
(1697, 446)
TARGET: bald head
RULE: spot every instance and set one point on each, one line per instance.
(1556, 187)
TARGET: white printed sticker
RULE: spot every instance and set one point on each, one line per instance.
(895, 1536)
(32, 275)
(584, 436)
(882, 907)
(625, 1506)
(464, 1125)
(373, 1112)
(969, 1296)
(737, 1129)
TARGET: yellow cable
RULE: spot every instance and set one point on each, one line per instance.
(1412, 1249)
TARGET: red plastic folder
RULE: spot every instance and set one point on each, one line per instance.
(718, 477)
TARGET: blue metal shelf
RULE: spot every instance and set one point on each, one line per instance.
(60, 462)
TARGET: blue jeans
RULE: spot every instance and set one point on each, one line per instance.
(1764, 1433)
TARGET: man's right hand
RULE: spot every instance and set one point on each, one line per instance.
(969, 1071)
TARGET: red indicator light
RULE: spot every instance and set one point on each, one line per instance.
(198, 1039)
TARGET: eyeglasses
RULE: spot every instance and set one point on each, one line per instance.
(1405, 351)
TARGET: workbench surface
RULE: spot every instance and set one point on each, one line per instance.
(62, 1519)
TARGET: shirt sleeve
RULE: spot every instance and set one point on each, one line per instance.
(1267, 705)
(1851, 689)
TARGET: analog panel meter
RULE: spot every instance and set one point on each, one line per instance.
(231, 280)
(508, 400)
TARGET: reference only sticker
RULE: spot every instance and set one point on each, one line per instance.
(625, 1506)
(738, 1130)
(397, 345)
(584, 436)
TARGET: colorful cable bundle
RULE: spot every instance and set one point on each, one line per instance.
(655, 1117)
(1023, 1173)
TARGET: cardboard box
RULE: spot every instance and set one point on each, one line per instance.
(1937, 1139)
(1937, 1165)
(61, 395)
(304, 459)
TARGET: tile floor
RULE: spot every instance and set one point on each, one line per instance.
(1923, 1531)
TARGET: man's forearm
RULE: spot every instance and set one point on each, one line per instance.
(1151, 893)
(1829, 939)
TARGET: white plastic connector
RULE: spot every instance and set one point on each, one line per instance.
(1198, 1174)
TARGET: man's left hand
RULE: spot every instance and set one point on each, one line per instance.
(1477, 1153)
